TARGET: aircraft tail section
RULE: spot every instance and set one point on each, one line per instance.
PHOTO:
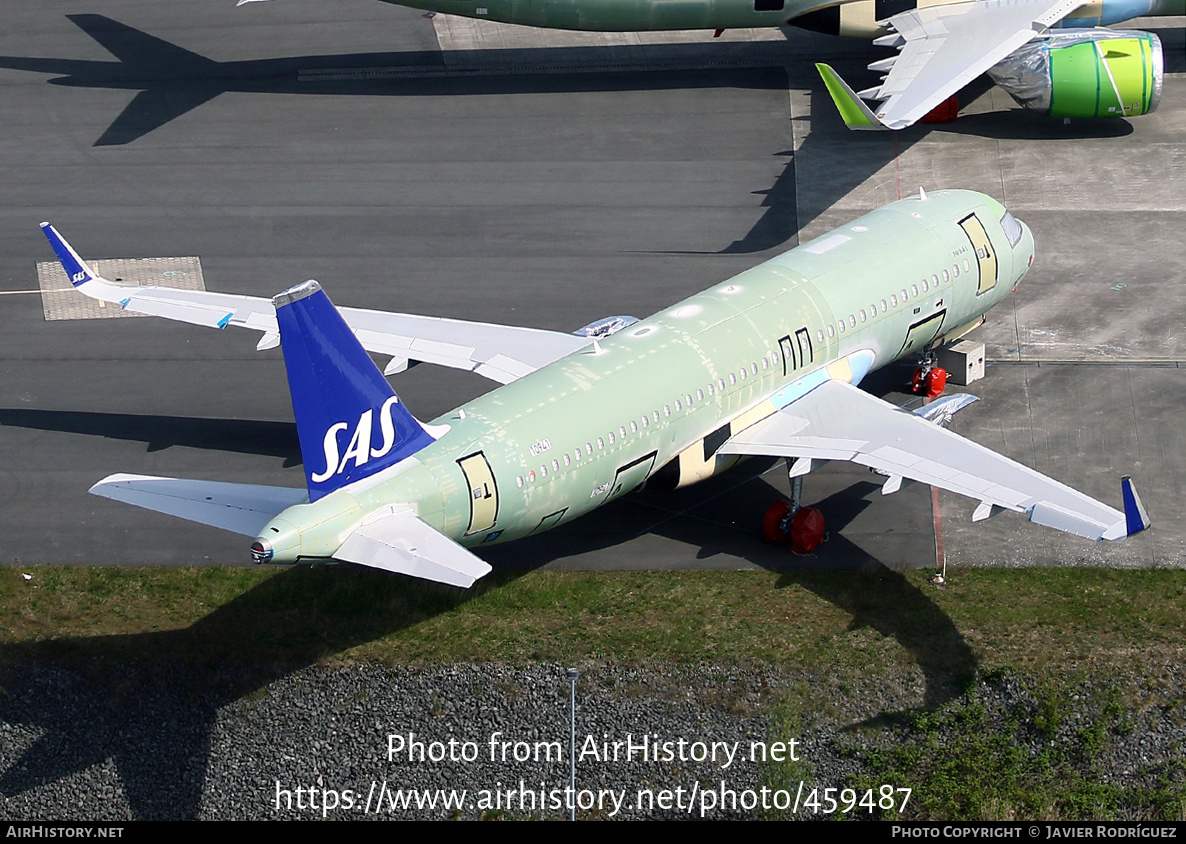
(349, 421)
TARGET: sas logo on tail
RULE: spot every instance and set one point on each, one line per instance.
(359, 450)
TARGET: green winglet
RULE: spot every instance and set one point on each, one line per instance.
(853, 111)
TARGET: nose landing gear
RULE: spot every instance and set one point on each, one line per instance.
(929, 379)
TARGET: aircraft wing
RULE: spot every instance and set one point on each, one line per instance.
(502, 353)
(837, 421)
(943, 48)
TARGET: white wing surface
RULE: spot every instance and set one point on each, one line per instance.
(943, 48)
(241, 508)
(502, 353)
(837, 421)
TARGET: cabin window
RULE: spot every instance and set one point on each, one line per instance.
(700, 394)
(611, 437)
(955, 270)
(753, 368)
(667, 410)
(820, 332)
(519, 481)
(577, 454)
(531, 477)
(623, 430)
(711, 390)
(588, 449)
(883, 307)
(634, 427)
(967, 266)
(543, 471)
(904, 296)
(862, 314)
(721, 383)
(946, 277)
(600, 444)
(646, 421)
(678, 406)
(914, 290)
(567, 459)
(841, 327)
(744, 374)
(926, 285)
(655, 416)
(688, 399)
(555, 465)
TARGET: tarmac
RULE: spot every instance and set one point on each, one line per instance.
(441, 166)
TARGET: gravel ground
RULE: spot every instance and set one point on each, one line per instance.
(104, 741)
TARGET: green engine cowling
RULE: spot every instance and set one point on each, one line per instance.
(1099, 73)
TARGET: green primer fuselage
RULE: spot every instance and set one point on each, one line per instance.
(646, 15)
(656, 399)
(620, 15)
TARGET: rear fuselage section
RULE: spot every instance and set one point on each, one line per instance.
(657, 399)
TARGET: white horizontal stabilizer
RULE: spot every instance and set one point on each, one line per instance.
(241, 508)
(396, 540)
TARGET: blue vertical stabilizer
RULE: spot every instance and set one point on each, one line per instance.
(350, 422)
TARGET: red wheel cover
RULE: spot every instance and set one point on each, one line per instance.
(772, 522)
(807, 530)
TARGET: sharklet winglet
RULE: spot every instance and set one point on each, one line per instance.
(852, 108)
(77, 270)
(1135, 516)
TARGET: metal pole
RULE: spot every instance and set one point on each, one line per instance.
(572, 742)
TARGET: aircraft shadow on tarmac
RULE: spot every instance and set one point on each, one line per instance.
(148, 702)
(171, 81)
(238, 436)
(156, 695)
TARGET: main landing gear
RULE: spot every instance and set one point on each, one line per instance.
(789, 521)
(930, 379)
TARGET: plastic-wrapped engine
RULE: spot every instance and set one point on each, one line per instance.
(1098, 73)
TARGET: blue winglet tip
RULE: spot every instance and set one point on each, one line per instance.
(1135, 515)
(77, 271)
